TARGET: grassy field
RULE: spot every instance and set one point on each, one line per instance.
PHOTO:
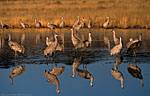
(122, 13)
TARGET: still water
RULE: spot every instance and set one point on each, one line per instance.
(94, 62)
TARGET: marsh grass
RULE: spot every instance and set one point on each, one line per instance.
(122, 13)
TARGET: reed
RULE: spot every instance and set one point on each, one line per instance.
(122, 13)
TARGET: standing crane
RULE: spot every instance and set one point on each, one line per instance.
(116, 49)
(62, 24)
(89, 24)
(4, 26)
(15, 46)
(51, 26)
(51, 48)
(38, 24)
(106, 24)
(24, 25)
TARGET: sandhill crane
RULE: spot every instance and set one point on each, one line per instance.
(53, 79)
(77, 22)
(106, 24)
(118, 75)
(74, 38)
(16, 72)
(77, 27)
(85, 74)
(38, 24)
(51, 26)
(15, 46)
(59, 47)
(135, 72)
(84, 43)
(116, 40)
(24, 25)
(89, 24)
(118, 60)
(62, 24)
(135, 46)
(116, 49)
(129, 43)
(52, 47)
(76, 64)
(48, 42)
(4, 26)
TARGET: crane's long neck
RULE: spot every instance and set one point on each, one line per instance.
(56, 41)
(72, 33)
(114, 35)
(108, 20)
(120, 42)
(122, 83)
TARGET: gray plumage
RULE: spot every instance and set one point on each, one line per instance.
(77, 22)
(74, 38)
(62, 24)
(24, 25)
(38, 24)
(116, 49)
(89, 24)
(15, 46)
(4, 26)
(129, 43)
(106, 24)
(51, 26)
(51, 48)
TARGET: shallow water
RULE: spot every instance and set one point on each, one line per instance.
(95, 59)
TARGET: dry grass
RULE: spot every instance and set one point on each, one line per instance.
(122, 13)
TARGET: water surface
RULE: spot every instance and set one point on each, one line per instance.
(95, 59)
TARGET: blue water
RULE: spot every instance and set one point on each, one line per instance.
(97, 59)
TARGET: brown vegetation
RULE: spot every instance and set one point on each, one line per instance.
(122, 13)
